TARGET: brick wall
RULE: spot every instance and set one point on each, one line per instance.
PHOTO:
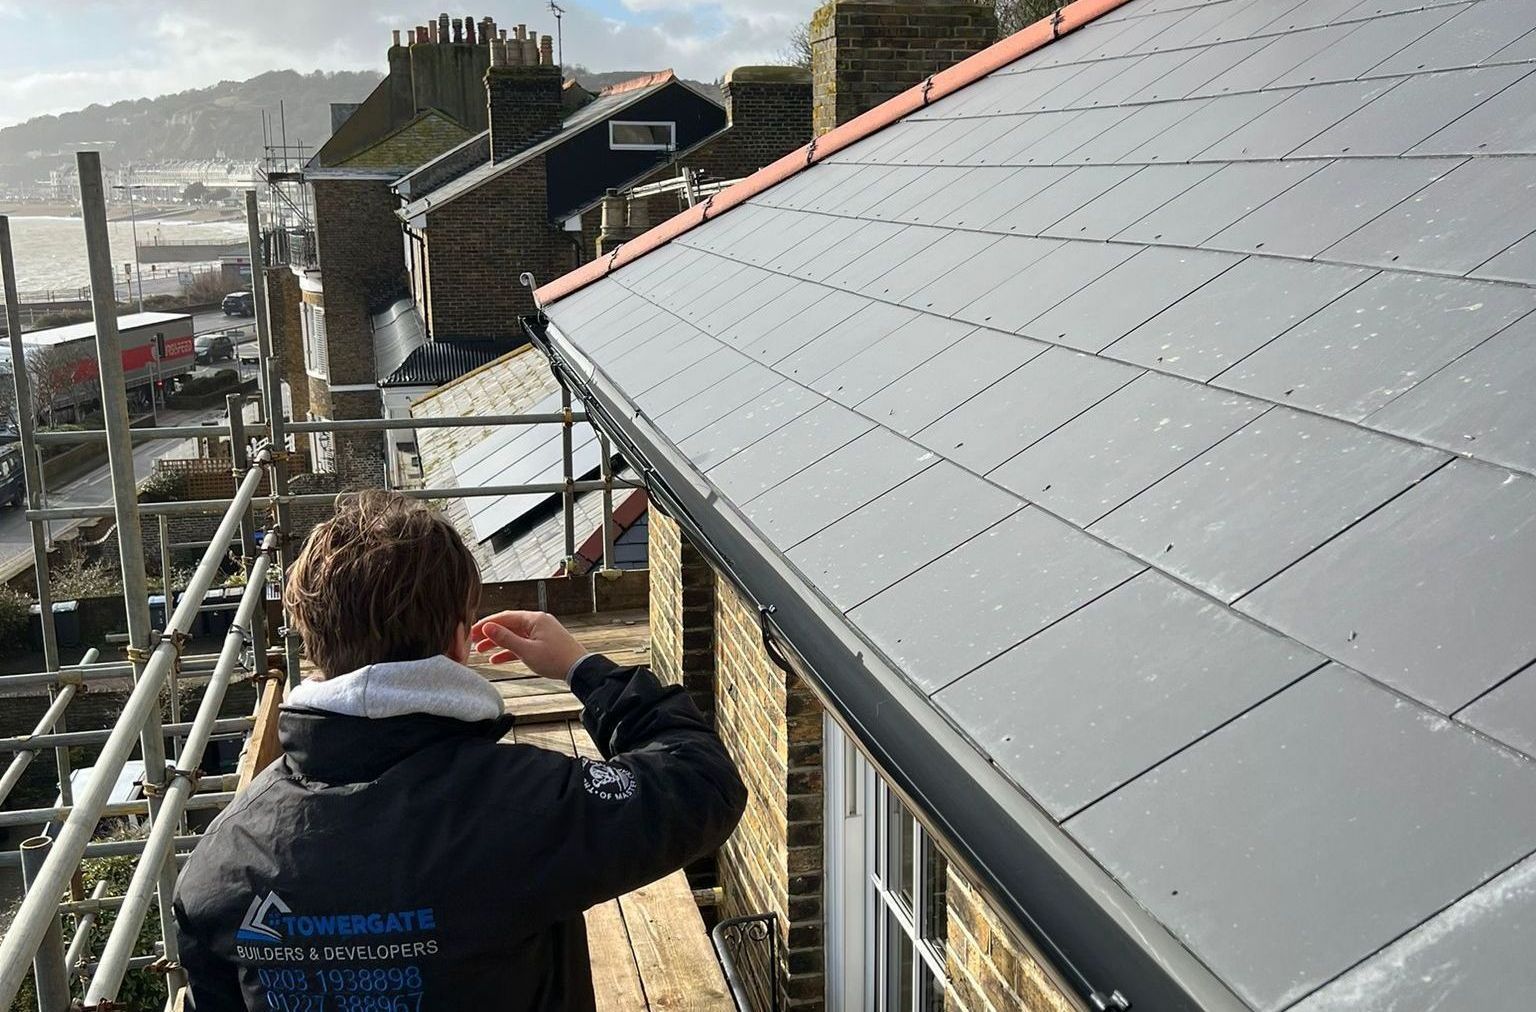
(682, 604)
(866, 51)
(362, 263)
(772, 725)
(283, 301)
(477, 246)
(769, 110)
(705, 635)
(990, 969)
(524, 105)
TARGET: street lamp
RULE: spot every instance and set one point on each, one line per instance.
(138, 270)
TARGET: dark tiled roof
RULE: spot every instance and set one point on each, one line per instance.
(405, 357)
(439, 362)
(1200, 345)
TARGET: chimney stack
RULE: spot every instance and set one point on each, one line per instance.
(523, 99)
(864, 52)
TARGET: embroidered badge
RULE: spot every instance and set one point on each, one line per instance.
(611, 783)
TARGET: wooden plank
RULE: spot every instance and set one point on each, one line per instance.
(556, 737)
(544, 709)
(615, 977)
(521, 687)
(584, 744)
(677, 964)
(262, 747)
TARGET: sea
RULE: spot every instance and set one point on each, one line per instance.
(50, 252)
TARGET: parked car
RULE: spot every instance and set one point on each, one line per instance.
(13, 488)
(239, 304)
(214, 348)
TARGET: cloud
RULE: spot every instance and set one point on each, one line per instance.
(107, 51)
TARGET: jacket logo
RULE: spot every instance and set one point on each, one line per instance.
(257, 926)
(611, 783)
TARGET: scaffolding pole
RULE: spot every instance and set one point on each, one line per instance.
(240, 457)
(125, 497)
(32, 475)
(50, 975)
(51, 722)
(85, 924)
(74, 838)
(282, 515)
(607, 471)
(158, 848)
(259, 298)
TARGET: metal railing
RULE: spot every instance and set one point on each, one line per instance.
(157, 659)
(748, 950)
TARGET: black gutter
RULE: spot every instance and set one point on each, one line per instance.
(1100, 943)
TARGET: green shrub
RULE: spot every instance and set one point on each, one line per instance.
(15, 616)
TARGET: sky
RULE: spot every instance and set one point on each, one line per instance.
(60, 55)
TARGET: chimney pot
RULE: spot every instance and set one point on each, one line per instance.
(469, 31)
(458, 30)
(442, 29)
(522, 32)
(530, 53)
(503, 34)
(396, 35)
(410, 36)
(547, 51)
(639, 216)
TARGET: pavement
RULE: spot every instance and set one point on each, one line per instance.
(93, 488)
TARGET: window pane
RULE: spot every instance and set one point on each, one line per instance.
(932, 996)
(899, 957)
(649, 135)
(935, 871)
(899, 875)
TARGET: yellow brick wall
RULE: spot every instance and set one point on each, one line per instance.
(990, 969)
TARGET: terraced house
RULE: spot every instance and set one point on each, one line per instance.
(1093, 491)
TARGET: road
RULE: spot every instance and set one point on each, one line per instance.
(94, 488)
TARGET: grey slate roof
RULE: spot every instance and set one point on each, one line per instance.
(1198, 349)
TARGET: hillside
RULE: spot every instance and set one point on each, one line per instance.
(202, 123)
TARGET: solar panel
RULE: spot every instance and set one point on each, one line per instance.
(1446, 640)
(1205, 841)
(1124, 444)
(975, 587)
(1256, 502)
(856, 557)
(1117, 687)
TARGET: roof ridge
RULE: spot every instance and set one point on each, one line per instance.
(968, 71)
(636, 83)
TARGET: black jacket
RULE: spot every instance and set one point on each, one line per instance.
(416, 863)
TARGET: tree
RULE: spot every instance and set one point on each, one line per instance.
(52, 370)
(1015, 15)
(195, 193)
(797, 49)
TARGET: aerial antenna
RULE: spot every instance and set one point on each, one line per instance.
(557, 10)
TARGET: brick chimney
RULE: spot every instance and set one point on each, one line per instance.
(522, 94)
(770, 108)
(866, 51)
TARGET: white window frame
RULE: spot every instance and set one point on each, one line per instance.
(861, 902)
(670, 145)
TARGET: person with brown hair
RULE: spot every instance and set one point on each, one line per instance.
(399, 856)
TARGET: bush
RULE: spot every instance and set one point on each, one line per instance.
(15, 617)
(163, 486)
(75, 579)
